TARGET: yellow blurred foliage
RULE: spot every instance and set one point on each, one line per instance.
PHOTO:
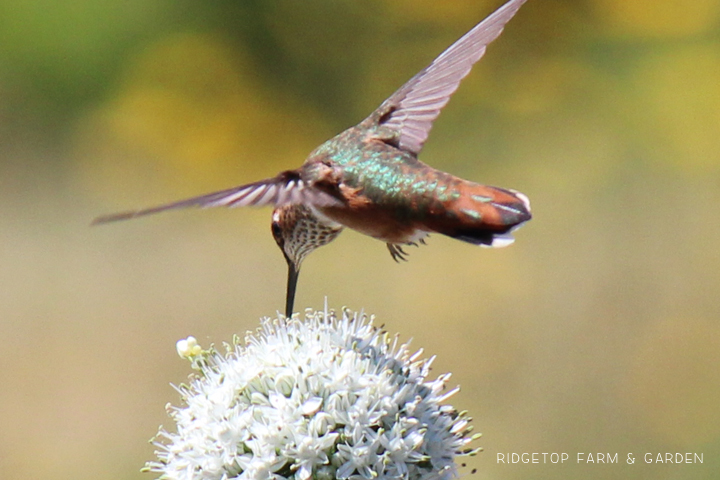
(680, 95)
(657, 18)
(540, 85)
(455, 12)
(191, 112)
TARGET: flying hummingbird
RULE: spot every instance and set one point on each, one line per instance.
(368, 178)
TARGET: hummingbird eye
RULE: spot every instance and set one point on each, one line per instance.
(276, 230)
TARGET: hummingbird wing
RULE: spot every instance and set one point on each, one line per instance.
(415, 106)
(283, 189)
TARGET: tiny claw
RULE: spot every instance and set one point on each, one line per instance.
(397, 253)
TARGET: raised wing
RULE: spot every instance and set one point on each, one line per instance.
(416, 105)
(286, 188)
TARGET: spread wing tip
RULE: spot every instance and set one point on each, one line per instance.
(114, 217)
(417, 104)
(285, 188)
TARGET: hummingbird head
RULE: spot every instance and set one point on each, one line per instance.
(298, 231)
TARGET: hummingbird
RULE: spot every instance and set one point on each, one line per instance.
(368, 178)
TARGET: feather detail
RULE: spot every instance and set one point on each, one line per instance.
(412, 109)
(480, 214)
(286, 188)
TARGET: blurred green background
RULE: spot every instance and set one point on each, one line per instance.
(598, 331)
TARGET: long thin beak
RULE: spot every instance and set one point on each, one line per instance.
(293, 273)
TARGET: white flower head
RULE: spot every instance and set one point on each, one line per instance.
(324, 398)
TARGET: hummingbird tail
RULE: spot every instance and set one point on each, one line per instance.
(487, 239)
(484, 215)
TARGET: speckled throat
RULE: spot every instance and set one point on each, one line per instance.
(298, 231)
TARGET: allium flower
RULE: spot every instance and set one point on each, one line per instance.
(323, 398)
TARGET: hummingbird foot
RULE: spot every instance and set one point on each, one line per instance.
(397, 253)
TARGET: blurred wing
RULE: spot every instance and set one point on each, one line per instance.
(286, 188)
(416, 105)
